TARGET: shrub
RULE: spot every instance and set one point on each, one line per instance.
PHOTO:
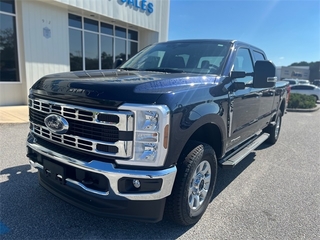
(303, 101)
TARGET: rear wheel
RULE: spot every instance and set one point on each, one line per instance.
(274, 130)
(194, 184)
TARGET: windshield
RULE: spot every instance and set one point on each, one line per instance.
(190, 57)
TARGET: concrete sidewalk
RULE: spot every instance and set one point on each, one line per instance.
(14, 114)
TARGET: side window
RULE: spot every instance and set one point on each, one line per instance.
(243, 62)
(292, 82)
(297, 87)
(258, 56)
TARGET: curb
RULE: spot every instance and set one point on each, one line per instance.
(303, 110)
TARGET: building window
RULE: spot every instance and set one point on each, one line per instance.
(91, 43)
(96, 45)
(106, 52)
(132, 49)
(9, 67)
(75, 46)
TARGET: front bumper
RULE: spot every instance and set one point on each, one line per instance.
(115, 197)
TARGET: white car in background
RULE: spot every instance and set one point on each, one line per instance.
(316, 82)
(291, 81)
(303, 81)
(296, 81)
(307, 89)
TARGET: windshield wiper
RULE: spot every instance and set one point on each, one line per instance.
(128, 69)
(169, 70)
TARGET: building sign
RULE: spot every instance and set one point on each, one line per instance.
(297, 72)
(140, 4)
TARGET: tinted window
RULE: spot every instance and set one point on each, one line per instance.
(91, 25)
(9, 70)
(106, 28)
(91, 49)
(106, 52)
(7, 6)
(258, 56)
(75, 21)
(75, 46)
(297, 87)
(120, 48)
(243, 61)
(291, 82)
(121, 32)
(210, 61)
(133, 35)
(178, 55)
(133, 49)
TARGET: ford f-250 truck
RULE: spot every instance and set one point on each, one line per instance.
(147, 138)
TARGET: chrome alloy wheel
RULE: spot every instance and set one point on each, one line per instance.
(199, 185)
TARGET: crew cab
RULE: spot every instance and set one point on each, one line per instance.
(147, 137)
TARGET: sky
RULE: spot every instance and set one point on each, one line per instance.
(287, 31)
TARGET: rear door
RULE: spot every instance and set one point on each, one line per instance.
(267, 98)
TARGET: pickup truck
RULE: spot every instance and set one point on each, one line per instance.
(147, 137)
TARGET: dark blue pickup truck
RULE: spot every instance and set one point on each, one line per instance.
(147, 137)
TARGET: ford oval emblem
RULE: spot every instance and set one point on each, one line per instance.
(56, 124)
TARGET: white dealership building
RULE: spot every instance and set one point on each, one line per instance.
(40, 37)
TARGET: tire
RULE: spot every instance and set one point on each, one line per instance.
(194, 184)
(274, 130)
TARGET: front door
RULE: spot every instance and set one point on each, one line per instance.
(244, 103)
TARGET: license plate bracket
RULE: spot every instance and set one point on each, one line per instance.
(54, 171)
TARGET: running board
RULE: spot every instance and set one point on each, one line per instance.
(234, 158)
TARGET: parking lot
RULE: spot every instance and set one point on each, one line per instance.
(273, 194)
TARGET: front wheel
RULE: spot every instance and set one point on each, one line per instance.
(194, 184)
(274, 130)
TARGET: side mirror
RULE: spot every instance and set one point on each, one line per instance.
(237, 86)
(264, 75)
(118, 62)
(238, 74)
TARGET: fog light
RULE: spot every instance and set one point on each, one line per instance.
(136, 183)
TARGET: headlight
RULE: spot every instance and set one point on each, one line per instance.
(151, 134)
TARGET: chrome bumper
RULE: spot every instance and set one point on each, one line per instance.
(109, 171)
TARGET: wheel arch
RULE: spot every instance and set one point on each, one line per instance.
(210, 134)
(283, 106)
(210, 129)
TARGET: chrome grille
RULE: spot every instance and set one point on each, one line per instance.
(102, 132)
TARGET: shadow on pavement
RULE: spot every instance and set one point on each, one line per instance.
(31, 212)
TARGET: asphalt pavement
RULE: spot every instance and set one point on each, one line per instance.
(274, 193)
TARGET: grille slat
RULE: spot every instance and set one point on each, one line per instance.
(87, 131)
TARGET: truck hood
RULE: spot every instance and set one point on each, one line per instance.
(114, 87)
